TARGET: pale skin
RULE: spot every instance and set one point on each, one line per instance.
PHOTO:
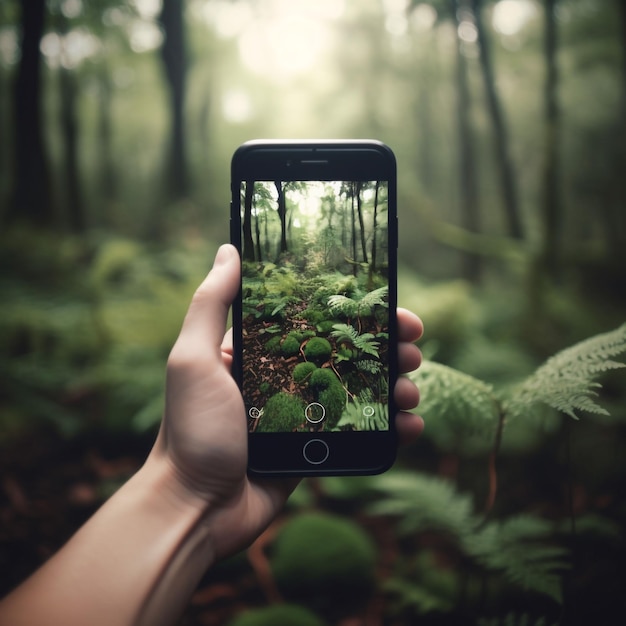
(139, 558)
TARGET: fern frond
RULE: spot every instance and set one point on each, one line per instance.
(519, 548)
(374, 298)
(343, 305)
(460, 410)
(424, 503)
(567, 381)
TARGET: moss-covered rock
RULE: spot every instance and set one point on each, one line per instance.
(302, 371)
(290, 345)
(282, 413)
(324, 562)
(278, 615)
(318, 349)
(330, 393)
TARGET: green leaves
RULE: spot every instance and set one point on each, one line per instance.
(567, 381)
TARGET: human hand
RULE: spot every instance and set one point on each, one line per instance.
(203, 436)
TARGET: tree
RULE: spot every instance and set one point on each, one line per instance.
(469, 192)
(31, 187)
(174, 57)
(282, 213)
(500, 135)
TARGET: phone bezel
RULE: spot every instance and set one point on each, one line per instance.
(349, 453)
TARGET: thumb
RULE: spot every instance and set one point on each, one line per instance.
(205, 322)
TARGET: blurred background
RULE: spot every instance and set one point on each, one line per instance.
(118, 119)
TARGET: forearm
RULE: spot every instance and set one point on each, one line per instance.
(135, 562)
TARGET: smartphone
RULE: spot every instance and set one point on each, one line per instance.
(314, 325)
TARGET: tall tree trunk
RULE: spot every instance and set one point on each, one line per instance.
(469, 191)
(353, 229)
(248, 243)
(551, 205)
(31, 188)
(69, 134)
(508, 184)
(107, 181)
(174, 56)
(282, 213)
(359, 208)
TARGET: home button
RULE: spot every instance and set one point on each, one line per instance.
(315, 451)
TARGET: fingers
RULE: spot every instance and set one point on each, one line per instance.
(406, 394)
(410, 327)
(409, 427)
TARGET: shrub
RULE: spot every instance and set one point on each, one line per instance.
(324, 562)
(282, 413)
(317, 350)
(302, 371)
(278, 615)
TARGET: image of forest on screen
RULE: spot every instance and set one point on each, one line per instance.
(315, 305)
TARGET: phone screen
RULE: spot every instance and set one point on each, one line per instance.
(315, 305)
(315, 346)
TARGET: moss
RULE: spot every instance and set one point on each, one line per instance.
(282, 413)
(330, 393)
(324, 562)
(273, 345)
(278, 615)
(302, 371)
(318, 350)
(290, 345)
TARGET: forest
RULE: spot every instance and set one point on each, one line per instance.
(315, 300)
(118, 119)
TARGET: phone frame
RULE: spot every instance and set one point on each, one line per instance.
(347, 453)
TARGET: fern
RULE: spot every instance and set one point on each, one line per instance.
(461, 411)
(423, 503)
(520, 548)
(567, 381)
(353, 417)
(363, 342)
(358, 307)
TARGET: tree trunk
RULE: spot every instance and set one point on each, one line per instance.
(359, 208)
(469, 192)
(107, 179)
(248, 242)
(500, 135)
(174, 57)
(552, 209)
(282, 213)
(31, 188)
(69, 133)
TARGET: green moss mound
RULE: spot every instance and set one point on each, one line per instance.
(302, 371)
(324, 562)
(273, 345)
(290, 345)
(330, 393)
(278, 615)
(318, 350)
(282, 413)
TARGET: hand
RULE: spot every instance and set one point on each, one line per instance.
(204, 431)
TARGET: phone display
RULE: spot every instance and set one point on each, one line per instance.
(314, 326)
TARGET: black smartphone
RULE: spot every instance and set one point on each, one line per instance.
(314, 326)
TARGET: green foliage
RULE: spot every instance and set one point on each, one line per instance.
(317, 349)
(324, 562)
(278, 615)
(567, 381)
(353, 417)
(330, 393)
(290, 345)
(362, 342)
(462, 412)
(521, 547)
(358, 306)
(283, 413)
(273, 345)
(302, 371)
